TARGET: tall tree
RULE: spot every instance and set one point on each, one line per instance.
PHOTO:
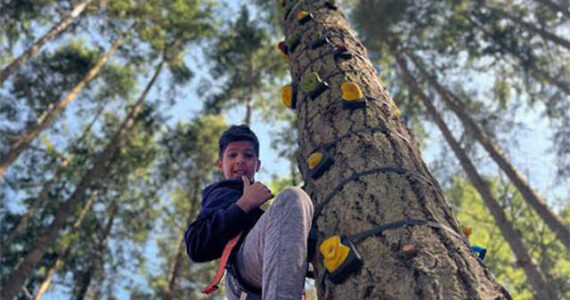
(528, 26)
(97, 256)
(377, 176)
(530, 195)
(37, 45)
(542, 243)
(43, 194)
(65, 250)
(189, 164)
(53, 111)
(513, 236)
(244, 65)
(18, 277)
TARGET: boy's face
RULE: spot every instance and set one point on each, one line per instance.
(239, 159)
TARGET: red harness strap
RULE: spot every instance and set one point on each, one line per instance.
(213, 286)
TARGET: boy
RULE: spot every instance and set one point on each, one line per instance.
(269, 261)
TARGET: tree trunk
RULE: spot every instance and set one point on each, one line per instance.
(42, 196)
(65, 251)
(35, 48)
(17, 278)
(43, 122)
(530, 27)
(535, 71)
(97, 258)
(377, 177)
(531, 197)
(555, 7)
(168, 293)
(512, 236)
(249, 97)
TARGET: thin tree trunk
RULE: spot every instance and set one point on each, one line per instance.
(17, 278)
(555, 7)
(530, 27)
(536, 72)
(292, 168)
(43, 122)
(44, 286)
(249, 97)
(168, 293)
(531, 196)
(97, 258)
(35, 48)
(377, 177)
(511, 235)
(42, 196)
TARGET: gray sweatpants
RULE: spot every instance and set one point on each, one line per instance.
(274, 253)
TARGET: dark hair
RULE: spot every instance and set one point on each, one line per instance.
(238, 133)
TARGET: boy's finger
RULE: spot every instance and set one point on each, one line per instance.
(245, 181)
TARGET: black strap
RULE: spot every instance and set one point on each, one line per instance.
(355, 176)
(358, 237)
(238, 289)
(237, 283)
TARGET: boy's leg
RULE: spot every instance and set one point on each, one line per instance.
(273, 256)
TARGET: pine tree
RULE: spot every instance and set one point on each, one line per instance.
(377, 176)
(54, 110)
(37, 45)
(512, 235)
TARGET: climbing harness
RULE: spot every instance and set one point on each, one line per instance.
(213, 286)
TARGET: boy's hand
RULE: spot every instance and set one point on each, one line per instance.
(253, 195)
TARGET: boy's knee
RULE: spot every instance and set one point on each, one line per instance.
(295, 197)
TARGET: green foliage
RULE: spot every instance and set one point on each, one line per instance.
(48, 78)
(188, 163)
(548, 252)
(17, 18)
(246, 65)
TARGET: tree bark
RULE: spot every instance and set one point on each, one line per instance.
(17, 278)
(555, 7)
(531, 196)
(97, 258)
(530, 27)
(56, 30)
(44, 286)
(512, 236)
(42, 196)
(377, 177)
(43, 122)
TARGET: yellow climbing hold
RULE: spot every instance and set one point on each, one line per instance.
(467, 230)
(287, 95)
(351, 91)
(315, 159)
(302, 14)
(334, 253)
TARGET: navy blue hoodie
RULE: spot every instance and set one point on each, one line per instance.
(219, 220)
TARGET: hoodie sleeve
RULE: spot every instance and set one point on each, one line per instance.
(217, 223)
